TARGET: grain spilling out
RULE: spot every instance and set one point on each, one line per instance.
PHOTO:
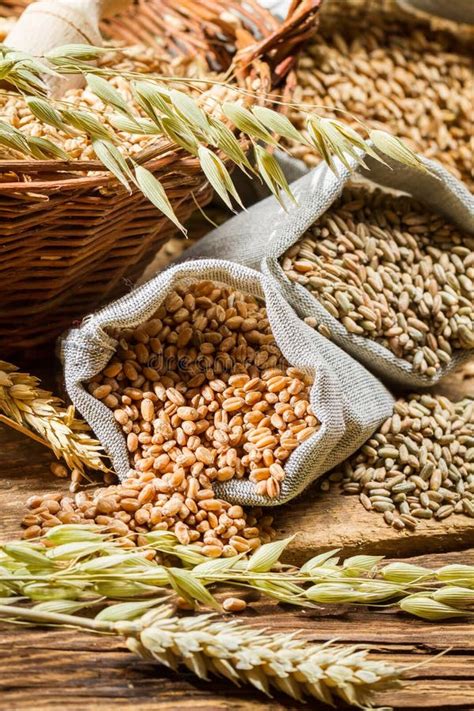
(410, 76)
(419, 465)
(391, 270)
(203, 395)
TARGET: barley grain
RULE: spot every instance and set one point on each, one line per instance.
(234, 604)
(414, 491)
(417, 317)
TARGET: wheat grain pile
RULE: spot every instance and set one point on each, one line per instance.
(203, 395)
(412, 76)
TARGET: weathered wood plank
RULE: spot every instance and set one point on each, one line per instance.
(155, 692)
(50, 669)
(24, 467)
(63, 668)
(321, 521)
(440, 695)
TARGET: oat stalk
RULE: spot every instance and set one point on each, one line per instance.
(209, 646)
(81, 563)
(204, 131)
(38, 413)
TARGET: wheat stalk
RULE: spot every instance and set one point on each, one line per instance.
(30, 409)
(209, 646)
(81, 563)
(191, 125)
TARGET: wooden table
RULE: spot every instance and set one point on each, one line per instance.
(45, 669)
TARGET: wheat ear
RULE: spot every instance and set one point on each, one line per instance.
(29, 408)
(209, 646)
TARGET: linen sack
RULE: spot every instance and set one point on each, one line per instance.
(349, 402)
(456, 10)
(258, 238)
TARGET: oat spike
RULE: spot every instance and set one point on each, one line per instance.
(90, 565)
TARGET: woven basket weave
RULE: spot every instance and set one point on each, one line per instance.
(71, 237)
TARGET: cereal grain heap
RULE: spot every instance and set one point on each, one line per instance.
(392, 271)
(203, 395)
(413, 77)
(419, 465)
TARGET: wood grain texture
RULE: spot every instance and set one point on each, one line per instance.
(322, 521)
(44, 670)
(48, 669)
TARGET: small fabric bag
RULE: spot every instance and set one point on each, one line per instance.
(349, 402)
(260, 236)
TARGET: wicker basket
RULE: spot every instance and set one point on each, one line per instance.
(70, 236)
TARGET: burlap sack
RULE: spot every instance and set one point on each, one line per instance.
(258, 238)
(347, 399)
(457, 10)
